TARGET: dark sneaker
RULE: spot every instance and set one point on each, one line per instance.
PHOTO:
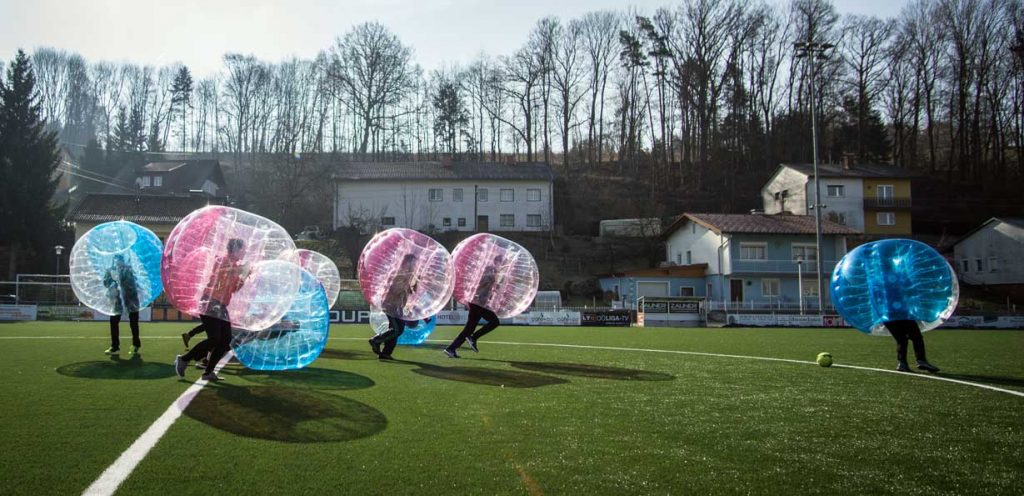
(451, 353)
(179, 366)
(902, 367)
(927, 367)
(385, 357)
(211, 377)
(112, 351)
(136, 352)
(375, 346)
(472, 345)
(184, 338)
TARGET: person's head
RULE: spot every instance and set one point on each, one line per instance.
(236, 249)
(408, 263)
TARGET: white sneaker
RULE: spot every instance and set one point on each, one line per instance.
(179, 366)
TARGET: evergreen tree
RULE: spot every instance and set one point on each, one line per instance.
(30, 157)
(181, 101)
(451, 114)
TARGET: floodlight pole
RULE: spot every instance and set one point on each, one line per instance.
(815, 51)
(58, 249)
(800, 282)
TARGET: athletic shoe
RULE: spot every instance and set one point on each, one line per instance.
(472, 344)
(902, 367)
(112, 351)
(386, 357)
(451, 353)
(185, 337)
(924, 365)
(135, 352)
(375, 346)
(211, 377)
(179, 366)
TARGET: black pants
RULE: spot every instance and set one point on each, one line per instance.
(115, 330)
(195, 330)
(476, 313)
(389, 338)
(903, 331)
(217, 342)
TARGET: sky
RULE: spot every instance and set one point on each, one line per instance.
(199, 32)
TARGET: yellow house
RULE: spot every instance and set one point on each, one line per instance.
(887, 204)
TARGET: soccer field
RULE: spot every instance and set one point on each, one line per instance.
(537, 411)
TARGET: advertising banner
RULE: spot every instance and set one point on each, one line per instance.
(17, 312)
(606, 318)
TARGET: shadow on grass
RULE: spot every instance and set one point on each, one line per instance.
(986, 379)
(485, 376)
(285, 414)
(115, 368)
(347, 354)
(309, 378)
(592, 371)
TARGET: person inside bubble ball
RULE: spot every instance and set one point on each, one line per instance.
(484, 292)
(229, 273)
(908, 330)
(122, 289)
(395, 301)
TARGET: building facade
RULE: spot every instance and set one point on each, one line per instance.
(873, 199)
(991, 253)
(443, 196)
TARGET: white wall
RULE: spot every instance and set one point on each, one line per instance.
(702, 243)
(999, 242)
(786, 180)
(851, 204)
(408, 202)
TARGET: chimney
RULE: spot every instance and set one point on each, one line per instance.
(847, 160)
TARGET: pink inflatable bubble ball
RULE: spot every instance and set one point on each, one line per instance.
(495, 273)
(216, 263)
(405, 273)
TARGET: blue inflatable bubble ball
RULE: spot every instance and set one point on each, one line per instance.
(894, 279)
(115, 268)
(412, 335)
(293, 342)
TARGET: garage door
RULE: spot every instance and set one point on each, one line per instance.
(649, 289)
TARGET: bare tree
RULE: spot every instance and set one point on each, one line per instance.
(568, 76)
(600, 35)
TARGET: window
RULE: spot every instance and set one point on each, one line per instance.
(807, 253)
(679, 259)
(158, 181)
(147, 181)
(769, 287)
(508, 220)
(462, 222)
(811, 288)
(686, 291)
(884, 191)
(533, 195)
(750, 251)
(533, 220)
(966, 265)
(481, 195)
(436, 194)
(979, 266)
(835, 190)
(689, 257)
(837, 217)
(993, 264)
(457, 194)
(446, 222)
(507, 194)
(387, 221)
(886, 218)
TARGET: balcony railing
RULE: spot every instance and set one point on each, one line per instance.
(779, 267)
(893, 202)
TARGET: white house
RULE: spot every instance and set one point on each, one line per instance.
(873, 199)
(991, 253)
(444, 196)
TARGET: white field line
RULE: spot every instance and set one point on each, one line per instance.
(647, 350)
(118, 472)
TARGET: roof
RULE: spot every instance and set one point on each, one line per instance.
(692, 270)
(759, 224)
(179, 177)
(160, 209)
(865, 171)
(357, 171)
(1017, 222)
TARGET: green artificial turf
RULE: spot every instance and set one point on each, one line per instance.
(527, 418)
